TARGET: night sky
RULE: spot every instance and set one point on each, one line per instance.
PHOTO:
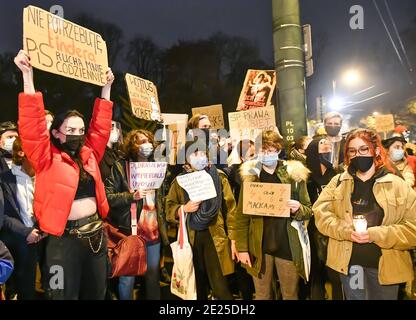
(336, 46)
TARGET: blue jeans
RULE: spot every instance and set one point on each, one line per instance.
(151, 278)
(362, 284)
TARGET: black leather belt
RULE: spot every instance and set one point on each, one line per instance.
(72, 224)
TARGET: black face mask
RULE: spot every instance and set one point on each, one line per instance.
(332, 131)
(73, 144)
(325, 159)
(362, 164)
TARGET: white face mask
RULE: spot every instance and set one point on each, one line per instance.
(146, 149)
(8, 144)
(198, 162)
(397, 155)
(114, 136)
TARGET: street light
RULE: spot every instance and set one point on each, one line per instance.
(350, 78)
(336, 103)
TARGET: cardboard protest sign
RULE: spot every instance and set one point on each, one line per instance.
(199, 185)
(172, 118)
(175, 135)
(143, 98)
(214, 113)
(384, 122)
(61, 47)
(266, 199)
(249, 124)
(147, 175)
(257, 90)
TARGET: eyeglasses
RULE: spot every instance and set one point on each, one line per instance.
(363, 150)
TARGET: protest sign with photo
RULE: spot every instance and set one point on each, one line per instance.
(266, 199)
(61, 47)
(249, 124)
(143, 98)
(257, 90)
(214, 113)
(147, 175)
(199, 185)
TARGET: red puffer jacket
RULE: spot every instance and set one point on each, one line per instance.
(57, 174)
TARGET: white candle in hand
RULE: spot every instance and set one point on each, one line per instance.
(360, 223)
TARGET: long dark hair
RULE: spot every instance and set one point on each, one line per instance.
(57, 122)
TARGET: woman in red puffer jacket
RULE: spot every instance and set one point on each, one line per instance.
(69, 200)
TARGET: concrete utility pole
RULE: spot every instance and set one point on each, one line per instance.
(290, 68)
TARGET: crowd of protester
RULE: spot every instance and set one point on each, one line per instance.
(58, 179)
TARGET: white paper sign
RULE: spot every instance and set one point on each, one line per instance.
(199, 185)
(147, 175)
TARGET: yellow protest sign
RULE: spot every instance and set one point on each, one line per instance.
(61, 47)
(214, 113)
(257, 90)
(384, 122)
(143, 98)
(266, 199)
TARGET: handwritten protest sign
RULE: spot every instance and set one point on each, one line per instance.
(384, 122)
(143, 98)
(147, 175)
(199, 185)
(257, 90)
(61, 47)
(266, 199)
(214, 113)
(249, 124)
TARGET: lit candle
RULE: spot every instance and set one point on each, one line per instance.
(360, 223)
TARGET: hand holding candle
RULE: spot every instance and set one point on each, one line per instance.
(360, 223)
(360, 235)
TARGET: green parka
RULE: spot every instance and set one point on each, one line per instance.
(249, 232)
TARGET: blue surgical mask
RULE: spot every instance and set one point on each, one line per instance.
(269, 160)
(199, 162)
(146, 150)
(396, 155)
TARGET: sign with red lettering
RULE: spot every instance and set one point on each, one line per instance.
(61, 47)
(143, 98)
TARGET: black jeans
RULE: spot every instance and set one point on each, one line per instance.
(208, 271)
(84, 272)
(240, 282)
